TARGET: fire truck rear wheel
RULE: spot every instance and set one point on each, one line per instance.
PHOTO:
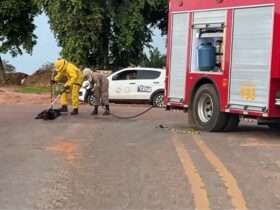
(206, 110)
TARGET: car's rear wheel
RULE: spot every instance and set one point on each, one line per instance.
(92, 100)
(206, 110)
(158, 100)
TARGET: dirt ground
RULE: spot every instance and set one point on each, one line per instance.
(8, 95)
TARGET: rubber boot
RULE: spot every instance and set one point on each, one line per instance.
(75, 111)
(95, 111)
(107, 110)
(64, 109)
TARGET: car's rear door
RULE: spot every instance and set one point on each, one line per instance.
(147, 82)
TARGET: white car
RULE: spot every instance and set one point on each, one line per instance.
(139, 84)
(86, 94)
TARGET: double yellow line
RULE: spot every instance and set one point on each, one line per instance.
(198, 187)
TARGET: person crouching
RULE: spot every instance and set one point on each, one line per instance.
(74, 80)
(101, 89)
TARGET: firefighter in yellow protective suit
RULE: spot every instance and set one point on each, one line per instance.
(74, 81)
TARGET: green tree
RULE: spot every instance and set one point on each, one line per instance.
(104, 32)
(47, 67)
(132, 23)
(155, 59)
(156, 14)
(77, 25)
(16, 28)
(8, 68)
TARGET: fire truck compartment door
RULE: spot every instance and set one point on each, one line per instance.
(178, 60)
(251, 56)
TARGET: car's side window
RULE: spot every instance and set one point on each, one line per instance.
(148, 74)
(126, 75)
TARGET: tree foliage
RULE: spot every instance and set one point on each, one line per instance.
(105, 32)
(77, 25)
(47, 67)
(132, 28)
(16, 28)
(9, 68)
(155, 59)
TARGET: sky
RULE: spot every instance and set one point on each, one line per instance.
(47, 50)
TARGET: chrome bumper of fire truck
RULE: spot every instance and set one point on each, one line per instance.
(247, 108)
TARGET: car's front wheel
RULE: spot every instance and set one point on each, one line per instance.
(158, 100)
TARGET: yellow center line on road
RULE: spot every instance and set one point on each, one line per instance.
(230, 182)
(195, 180)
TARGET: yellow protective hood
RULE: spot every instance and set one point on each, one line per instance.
(60, 65)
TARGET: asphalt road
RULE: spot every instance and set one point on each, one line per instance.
(154, 162)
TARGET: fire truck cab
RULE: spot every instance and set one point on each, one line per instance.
(223, 62)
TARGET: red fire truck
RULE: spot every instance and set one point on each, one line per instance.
(223, 61)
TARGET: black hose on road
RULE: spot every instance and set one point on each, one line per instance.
(133, 116)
